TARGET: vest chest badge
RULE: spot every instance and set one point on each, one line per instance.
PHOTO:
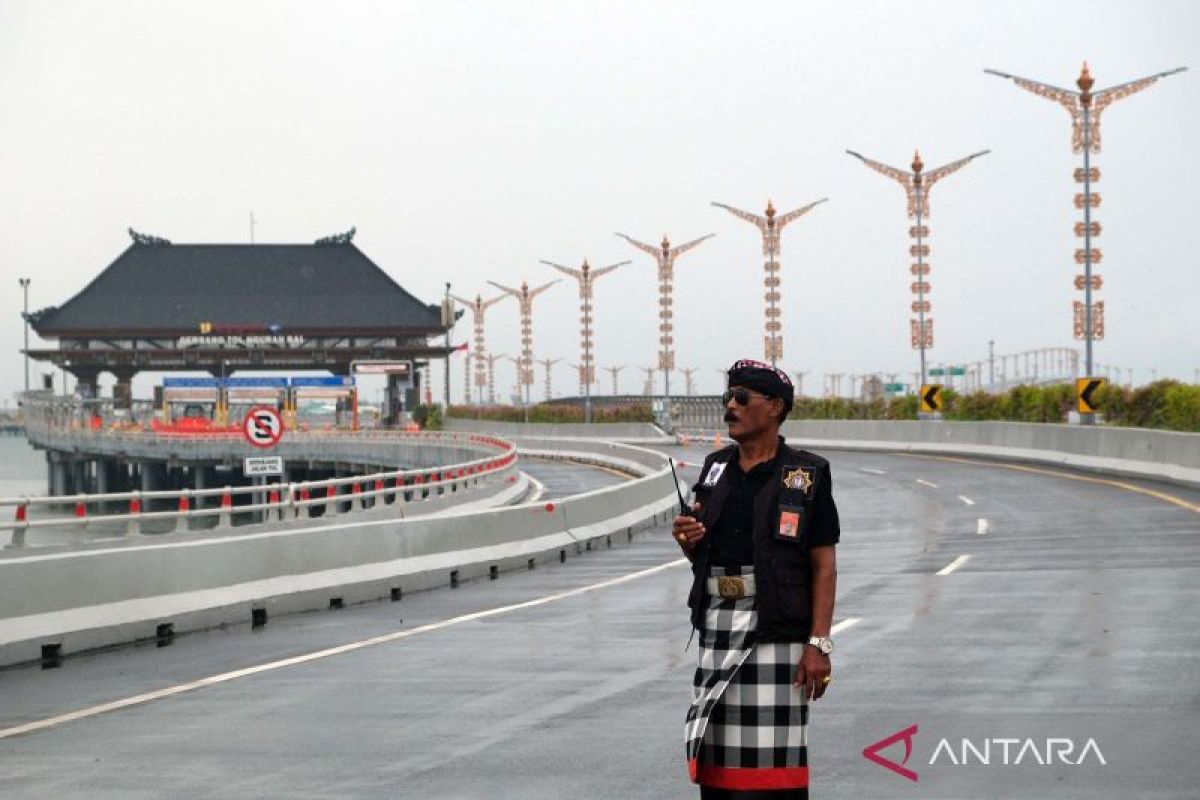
(714, 474)
(800, 478)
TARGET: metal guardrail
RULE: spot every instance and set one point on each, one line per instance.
(292, 499)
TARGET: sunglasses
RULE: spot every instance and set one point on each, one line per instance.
(740, 394)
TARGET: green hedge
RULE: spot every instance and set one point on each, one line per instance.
(555, 413)
(1163, 404)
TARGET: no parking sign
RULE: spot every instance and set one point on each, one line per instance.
(262, 427)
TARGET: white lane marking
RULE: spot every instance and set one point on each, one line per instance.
(873, 471)
(225, 677)
(953, 565)
(981, 526)
(966, 499)
(846, 623)
(927, 483)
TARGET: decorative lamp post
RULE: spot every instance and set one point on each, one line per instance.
(525, 296)
(917, 184)
(1085, 107)
(586, 277)
(547, 363)
(24, 282)
(665, 256)
(614, 371)
(770, 226)
(479, 308)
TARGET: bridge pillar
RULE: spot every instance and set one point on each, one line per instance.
(57, 468)
(202, 478)
(154, 479)
(87, 382)
(123, 388)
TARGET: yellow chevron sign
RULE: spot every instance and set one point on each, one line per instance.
(1084, 390)
(930, 397)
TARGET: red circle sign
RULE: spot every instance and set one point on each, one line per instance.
(262, 427)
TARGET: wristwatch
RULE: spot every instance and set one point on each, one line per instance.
(822, 643)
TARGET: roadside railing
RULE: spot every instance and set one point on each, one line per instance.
(272, 501)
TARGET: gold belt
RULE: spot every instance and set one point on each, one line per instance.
(731, 587)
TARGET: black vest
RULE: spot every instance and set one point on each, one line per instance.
(787, 511)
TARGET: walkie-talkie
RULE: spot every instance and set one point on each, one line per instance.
(684, 508)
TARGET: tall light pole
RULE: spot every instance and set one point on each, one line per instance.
(467, 377)
(586, 277)
(1085, 107)
(688, 374)
(25, 316)
(448, 319)
(614, 371)
(648, 386)
(525, 297)
(665, 255)
(917, 184)
(548, 363)
(491, 359)
(479, 308)
(770, 227)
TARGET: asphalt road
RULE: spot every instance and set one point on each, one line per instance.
(1072, 616)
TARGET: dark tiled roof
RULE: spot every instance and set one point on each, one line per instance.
(169, 288)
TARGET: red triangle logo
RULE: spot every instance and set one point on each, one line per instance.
(871, 752)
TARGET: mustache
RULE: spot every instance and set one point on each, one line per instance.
(730, 416)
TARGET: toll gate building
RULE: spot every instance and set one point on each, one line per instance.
(225, 308)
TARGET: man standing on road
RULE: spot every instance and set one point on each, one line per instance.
(761, 539)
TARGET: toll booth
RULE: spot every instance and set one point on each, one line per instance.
(323, 403)
(242, 394)
(188, 405)
(401, 392)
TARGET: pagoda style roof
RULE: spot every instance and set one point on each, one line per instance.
(164, 289)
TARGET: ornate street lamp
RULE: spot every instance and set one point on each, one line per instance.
(917, 184)
(586, 277)
(770, 226)
(1085, 107)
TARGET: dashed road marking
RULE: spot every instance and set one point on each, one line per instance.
(1129, 487)
(924, 482)
(953, 565)
(846, 623)
(981, 526)
(873, 471)
(966, 499)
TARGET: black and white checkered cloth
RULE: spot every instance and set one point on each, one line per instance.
(747, 727)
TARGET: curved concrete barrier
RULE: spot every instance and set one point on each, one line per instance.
(100, 595)
(1169, 456)
(456, 463)
(639, 432)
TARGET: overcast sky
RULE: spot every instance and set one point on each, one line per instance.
(466, 141)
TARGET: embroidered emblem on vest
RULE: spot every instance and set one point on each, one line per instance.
(799, 478)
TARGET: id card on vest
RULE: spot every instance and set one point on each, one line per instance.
(715, 470)
(795, 501)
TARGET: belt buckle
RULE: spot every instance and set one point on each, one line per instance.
(731, 587)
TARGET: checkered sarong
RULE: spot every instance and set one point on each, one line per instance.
(747, 725)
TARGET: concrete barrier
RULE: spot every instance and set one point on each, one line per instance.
(100, 595)
(1169, 456)
(639, 432)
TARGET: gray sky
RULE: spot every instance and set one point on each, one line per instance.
(467, 141)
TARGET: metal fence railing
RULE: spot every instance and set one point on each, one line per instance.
(495, 458)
